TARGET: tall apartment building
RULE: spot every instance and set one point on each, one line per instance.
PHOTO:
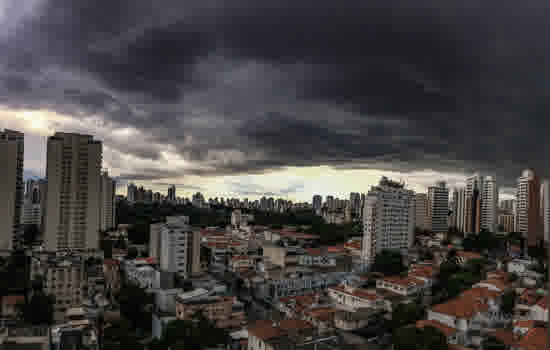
(421, 211)
(11, 187)
(460, 209)
(317, 202)
(388, 219)
(131, 193)
(506, 222)
(32, 204)
(171, 197)
(508, 204)
(489, 202)
(528, 218)
(438, 207)
(63, 278)
(107, 212)
(472, 212)
(176, 246)
(72, 210)
(545, 208)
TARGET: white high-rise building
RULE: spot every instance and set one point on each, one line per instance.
(489, 203)
(107, 188)
(11, 187)
(545, 200)
(388, 219)
(438, 207)
(421, 208)
(176, 246)
(72, 210)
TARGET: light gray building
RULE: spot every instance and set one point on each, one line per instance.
(72, 211)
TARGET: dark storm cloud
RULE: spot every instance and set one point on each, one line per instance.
(246, 86)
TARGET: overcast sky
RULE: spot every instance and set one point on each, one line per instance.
(288, 98)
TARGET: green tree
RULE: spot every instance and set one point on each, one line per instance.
(508, 302)
(197, 333)
(39, 310)
(132, 253)
(133, 301)
(412, 338)
(492, 343)
(389, 263)
(406, 313)
(30, 234)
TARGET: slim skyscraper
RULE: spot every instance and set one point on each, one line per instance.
(421, 205)
(171, 193)
(72, 213)
(11, 187)
(545, 208)
(528, 218)
(438, 207)
(107, 212)
(489, 202)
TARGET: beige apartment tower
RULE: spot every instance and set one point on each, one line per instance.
(11, 187)
(72, 210)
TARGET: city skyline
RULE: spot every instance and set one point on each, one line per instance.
(184, 94)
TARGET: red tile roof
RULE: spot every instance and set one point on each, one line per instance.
(12, 299)
(448, 331)
(535, 339)
(406, 281)
(506, 337)
(461, 307)
(357, 292)
(314, 251)
(111, 262)
(266, 329)
(543, 302)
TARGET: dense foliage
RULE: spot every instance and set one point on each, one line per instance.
(389, 263)
(453, 278)
(141, 215)
(198, 333)
(39, 310)
(406, 313)
(412, 338)
(133, 302)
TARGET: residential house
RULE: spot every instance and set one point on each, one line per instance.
(539, 311)
(356, 298)
(406, 286)
(450, 333)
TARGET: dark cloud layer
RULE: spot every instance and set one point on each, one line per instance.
(247, 86)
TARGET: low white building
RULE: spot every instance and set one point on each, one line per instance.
(315, 257)
(356, 298)
(539, 311)
(519, 266)
(405, 286)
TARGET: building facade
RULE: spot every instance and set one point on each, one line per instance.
(176, 246)
(72, 208)
(107, 187)
(489, 202)
(421, 209)
(528, 214)
(388, 219)
(11, 187)
(438, 207)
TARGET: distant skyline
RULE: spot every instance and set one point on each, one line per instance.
(224, 96)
